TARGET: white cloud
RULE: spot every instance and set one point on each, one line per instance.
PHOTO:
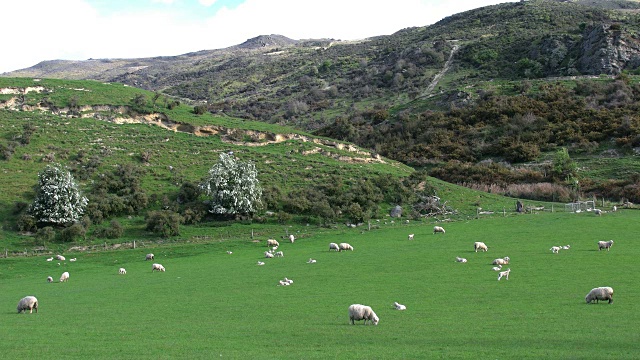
(207, 3)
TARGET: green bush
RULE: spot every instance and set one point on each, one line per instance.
(164, 222)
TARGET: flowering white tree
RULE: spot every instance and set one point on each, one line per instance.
(58, 200)
(233, 186)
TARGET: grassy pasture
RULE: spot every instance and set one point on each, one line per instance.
(212, 304)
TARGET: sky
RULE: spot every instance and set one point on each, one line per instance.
(38, 30)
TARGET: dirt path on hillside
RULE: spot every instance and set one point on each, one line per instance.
(442, 72)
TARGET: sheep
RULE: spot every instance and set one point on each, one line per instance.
(478, 245)
(288, 281)
(600, 293)
(497, 268)
(229, 252)
(283, 283)
(149, 257)
(311, 261)
(60, 257)
(605, 245)
(566, 247)
(615, 208)
(598, 212)
(334, 246)
(461, 260)
(260, 263)
(50, 259)
(411, 236)
(272, 242)
(268, 255)
(399, 306)
(503, 261)
(555, 249)
(345, 246)
(73, 260)
(28, 303)
(157, 267)
(64, 277)
(438, 229)
(122, 271)
(504, 274)
(279, 254)
(49, 279)
(292, 238)
(359, 312)
(274, 248)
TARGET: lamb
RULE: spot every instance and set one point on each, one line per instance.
(261, 263)
(49, 279)
(598, 212)
(600, 293)
(292, 238)
(615, 208)
(60, 257)
(50, 259)
(438, 229)
(157, 267)
(345, 246)
(359, 312)
(28, 303)
(268, 255)
(566, 247)
(399, 306)
(149, 257)
(411, 236)
(605, 245)
(288, 281)
(503, 261)
(229, 252)
(279, 254)
(334, 246)
(478, 245)
(272, 242)
(461, 260)
(283, 283)
(122, 271)
(311, 261)
(504, 274)
(73, 260)
(497, 268)
(555, 249)
(64, 277)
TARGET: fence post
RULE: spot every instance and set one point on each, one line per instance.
(134, 244)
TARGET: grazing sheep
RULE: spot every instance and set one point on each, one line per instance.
(504, 274)
(503, 261)
(49, 279)
(288, 281)
(274, 248)
(60, 257)
(598, 212)
(555, 249)
(122, 271)
(268, 255)
(399, 306)
(28, 303)
(334, 246)
(64, 277)
(50, 259)
(272, 242)
(292, 238)
(260, 263)
(157, 267)
(279, 254)
(345, 246)
(411, 236)
(497, 268)
(149, 257)
(438, 229)
(461, 260)
(478, 245)
(229, 252)
(359, 312)
(605, 245)
(311, 261)
(566, 247)
(600, 293)
(73, 260)
(283, 283)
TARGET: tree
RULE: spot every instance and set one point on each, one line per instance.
(58, 199)
(233, 186)
(563, 167)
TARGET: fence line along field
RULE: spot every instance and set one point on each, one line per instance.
(213, 302)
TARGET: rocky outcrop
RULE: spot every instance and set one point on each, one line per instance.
(606, 49)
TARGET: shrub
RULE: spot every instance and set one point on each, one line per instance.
(114, 231)
(164, 222)
(72, 233)
(26, 223)
(45, 234)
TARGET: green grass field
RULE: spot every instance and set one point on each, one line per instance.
(210, 304)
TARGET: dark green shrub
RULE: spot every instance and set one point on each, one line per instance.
(45, 234)
(26, 223)
(164, 222)
(72, 233)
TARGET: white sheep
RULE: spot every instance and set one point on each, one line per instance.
(605, 245)
(229, 252)
(497, 268)
(283, 283)
(334, 246)
(566, 247)
(438, 229)
(260, 263)
(279, 254)
(504, 261)
(50, 259)
(399, 306)
(64, 277)
(600, 293)
(157, 267)
(615, 208)
(598, 212)
(555, 249)
(60, 257)
(504, 274)
(478, 245)
(411, 236)
(359, 312)
(49, 279)
(149, 257)
(122, 271)
(292, 238)
(73, 259)
(288, 281)
(461, 260)
(311, 261)
(268, 255)
(272, 242)
(28, 303)
(345, 246)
